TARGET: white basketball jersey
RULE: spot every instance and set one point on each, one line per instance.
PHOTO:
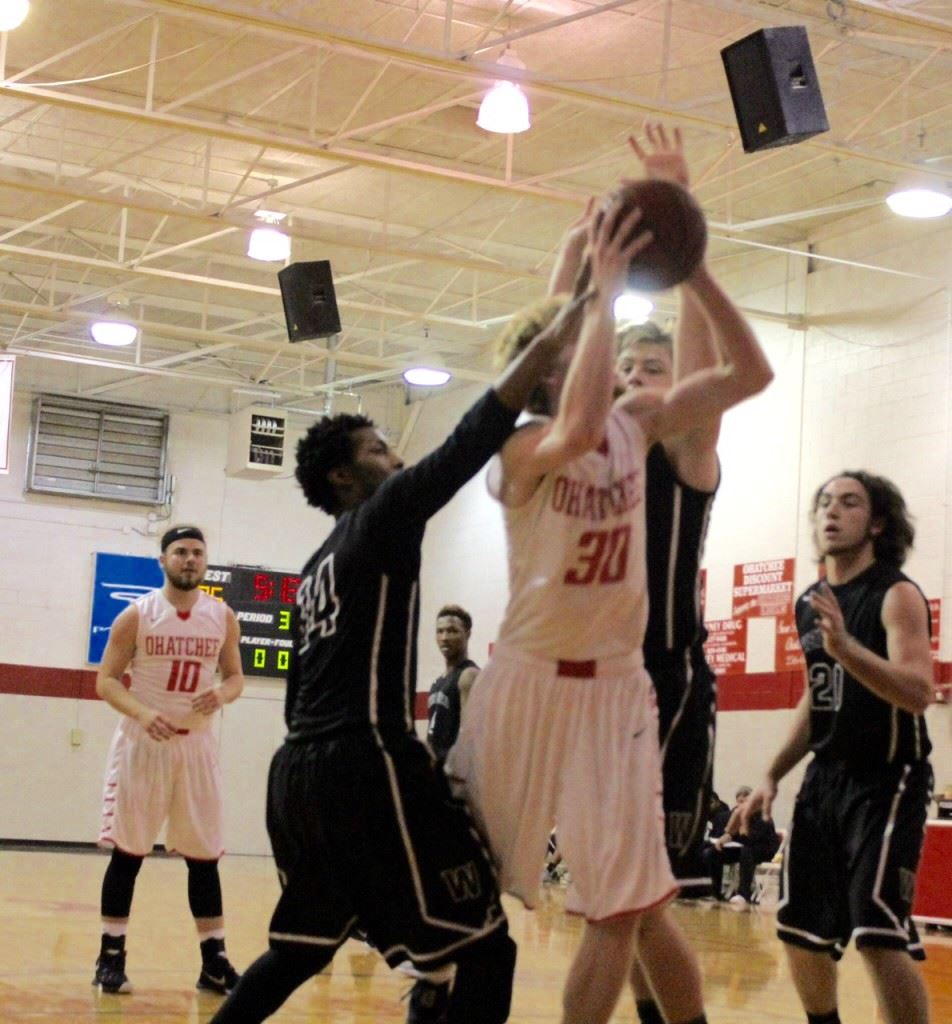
(577, 573)
(177, 655)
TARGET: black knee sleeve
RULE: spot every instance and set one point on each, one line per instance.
(119, 883)
(204, 888)
(268, 982)
(482, 989)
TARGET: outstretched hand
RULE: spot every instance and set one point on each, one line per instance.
(614, 241)
(663, 158)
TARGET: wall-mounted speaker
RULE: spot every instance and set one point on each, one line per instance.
(773, 83)
(310, 305)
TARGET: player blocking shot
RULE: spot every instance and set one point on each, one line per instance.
(163, 762)
(365, 832)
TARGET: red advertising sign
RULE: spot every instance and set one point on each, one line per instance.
(763, 589)
(935, 623)
(789, 654)
(726, 646)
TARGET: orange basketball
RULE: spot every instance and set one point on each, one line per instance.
(680, 233)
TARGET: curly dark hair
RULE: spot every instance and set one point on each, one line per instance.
(888, 506)
(328, 444)
(459, 613)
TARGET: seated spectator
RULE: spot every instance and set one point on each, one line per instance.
(759, 844)
(718, 814)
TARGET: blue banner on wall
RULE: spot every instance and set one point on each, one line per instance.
(117, 580)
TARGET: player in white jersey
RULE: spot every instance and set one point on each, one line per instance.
(565, 703)
(163, 762)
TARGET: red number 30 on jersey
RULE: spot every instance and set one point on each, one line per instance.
(602, 557)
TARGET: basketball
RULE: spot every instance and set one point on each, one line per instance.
(672, 214)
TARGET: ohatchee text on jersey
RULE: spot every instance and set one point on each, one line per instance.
(577, 580)
(177, 654)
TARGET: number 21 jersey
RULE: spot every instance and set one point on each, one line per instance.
(848, 722)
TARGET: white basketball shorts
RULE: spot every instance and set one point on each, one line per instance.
(570, 745)
(149, 782)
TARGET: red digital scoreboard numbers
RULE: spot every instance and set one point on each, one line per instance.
(263, 601)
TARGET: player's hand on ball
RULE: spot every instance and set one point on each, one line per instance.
(615, 241)
(664, 157)
(208, 703)
(157, 727)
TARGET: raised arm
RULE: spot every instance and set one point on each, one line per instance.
(416, 493)
(707, 394)
(694, 454)
(585, 398)
(568, 261)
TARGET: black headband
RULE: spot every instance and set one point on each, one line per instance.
(181, 533)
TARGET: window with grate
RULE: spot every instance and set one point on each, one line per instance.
(98, 450)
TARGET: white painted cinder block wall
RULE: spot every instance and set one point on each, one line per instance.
(866, 384)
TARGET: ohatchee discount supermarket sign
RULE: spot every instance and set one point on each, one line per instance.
(763, 589)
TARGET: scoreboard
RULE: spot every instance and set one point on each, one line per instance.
(262, 601)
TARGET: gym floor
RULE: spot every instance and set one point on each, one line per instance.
(49, 925)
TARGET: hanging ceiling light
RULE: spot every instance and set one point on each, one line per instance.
(13, 13)
(922, 202)
(268, 243)
(425, 377)
(505, 108)
(116, 328)
(632, 308)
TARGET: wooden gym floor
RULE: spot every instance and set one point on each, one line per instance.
(49, 937)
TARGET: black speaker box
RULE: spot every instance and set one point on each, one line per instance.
(310, 305)
(776, 94)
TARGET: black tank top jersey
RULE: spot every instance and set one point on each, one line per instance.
(677, 519)
(443, 710)
(354, 658)
(848, 722)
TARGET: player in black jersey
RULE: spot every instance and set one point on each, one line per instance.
(682, 476)
(364, 829)
(449, 692)
(854, 845)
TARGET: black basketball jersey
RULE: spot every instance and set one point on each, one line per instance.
(443, 710)
(678, 517)
(848, 722)
(354, 659)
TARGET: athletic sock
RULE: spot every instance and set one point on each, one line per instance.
(648, 1012)
(212, 947)
(112, 945)
(833, 1017)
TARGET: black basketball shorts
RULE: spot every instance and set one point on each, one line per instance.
(371, 838)
(687, 714)
(850, 865)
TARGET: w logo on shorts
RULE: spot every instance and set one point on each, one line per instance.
(462, 882)
(679, 826)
